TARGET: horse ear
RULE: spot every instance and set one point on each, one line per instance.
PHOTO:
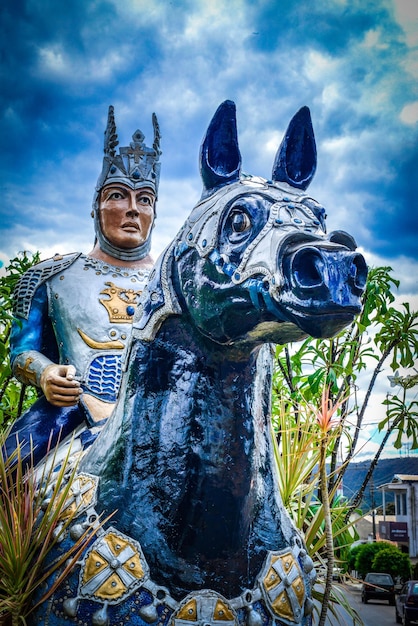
(220, 158)
(295, 161)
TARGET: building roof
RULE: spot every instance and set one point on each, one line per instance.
(399, 480)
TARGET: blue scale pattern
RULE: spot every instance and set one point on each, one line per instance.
(104, 376)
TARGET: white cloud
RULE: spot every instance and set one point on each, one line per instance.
(406, 14)
(409, 114)
(140, 12)
(320, 68)
(212, 20)
(56, 64)
(175, 202)
(53, 61)
(405, 270)
(4, 262)
(373, 39)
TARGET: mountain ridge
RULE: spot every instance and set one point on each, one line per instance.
(383, 473)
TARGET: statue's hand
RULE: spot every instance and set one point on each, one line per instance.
(59, 385)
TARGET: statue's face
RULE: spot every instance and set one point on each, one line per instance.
(126, 215)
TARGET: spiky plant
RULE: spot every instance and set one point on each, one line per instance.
(34, 516)
(303, 439)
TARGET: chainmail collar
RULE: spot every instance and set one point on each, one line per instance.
(123, 254)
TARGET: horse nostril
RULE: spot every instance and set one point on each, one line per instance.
(358, 271)
(308, 267)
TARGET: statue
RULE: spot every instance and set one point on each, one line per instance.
(199, 534)
(74, 312)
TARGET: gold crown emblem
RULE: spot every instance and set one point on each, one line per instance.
(120, 303)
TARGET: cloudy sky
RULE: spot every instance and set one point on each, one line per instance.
(353, 62)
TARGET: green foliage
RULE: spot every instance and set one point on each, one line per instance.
(394, 562)
(351, 557)
(298, 456)
(399, 332)
(380, 556)
(301, 449)
(14, 397)
(308, 460)
(34, 516)
(365, 556)
(402, 416)
(381, 335)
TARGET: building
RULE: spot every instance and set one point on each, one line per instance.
(368, 526)
(404, 529)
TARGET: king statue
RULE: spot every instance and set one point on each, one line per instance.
(74, 312)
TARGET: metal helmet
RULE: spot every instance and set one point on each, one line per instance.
(136, 166)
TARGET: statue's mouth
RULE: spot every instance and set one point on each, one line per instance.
(131, 226)
(324, 322)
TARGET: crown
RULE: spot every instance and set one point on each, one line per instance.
(136, 165)
(121, 303)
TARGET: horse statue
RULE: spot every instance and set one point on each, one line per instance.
(199, 535)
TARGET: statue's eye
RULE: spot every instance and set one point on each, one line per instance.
(317, 210)
(240, 222)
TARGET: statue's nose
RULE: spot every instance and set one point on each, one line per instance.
(341, 273)
(133, 210)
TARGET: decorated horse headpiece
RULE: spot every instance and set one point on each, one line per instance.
(220, 165)
(294, 217)
(136, 166)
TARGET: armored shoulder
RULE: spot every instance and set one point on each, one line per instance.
(36, 276)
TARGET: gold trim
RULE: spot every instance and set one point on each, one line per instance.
(281, 606)
(223, 612)
(25, 373)
(112, 588)
(100, 345)
(188, 611)
(94, 565)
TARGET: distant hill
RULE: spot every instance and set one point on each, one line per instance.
(384, 472)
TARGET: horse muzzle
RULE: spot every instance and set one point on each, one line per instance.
(320, 283)
(317, 283)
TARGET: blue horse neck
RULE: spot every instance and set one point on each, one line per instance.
(190, 442)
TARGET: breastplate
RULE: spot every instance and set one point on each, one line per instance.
(91, 307)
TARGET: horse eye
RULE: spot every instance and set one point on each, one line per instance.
(240, 222)
(316, 208)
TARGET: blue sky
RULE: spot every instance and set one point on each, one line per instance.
(353, 62)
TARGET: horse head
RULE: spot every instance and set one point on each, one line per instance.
(254, 258)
